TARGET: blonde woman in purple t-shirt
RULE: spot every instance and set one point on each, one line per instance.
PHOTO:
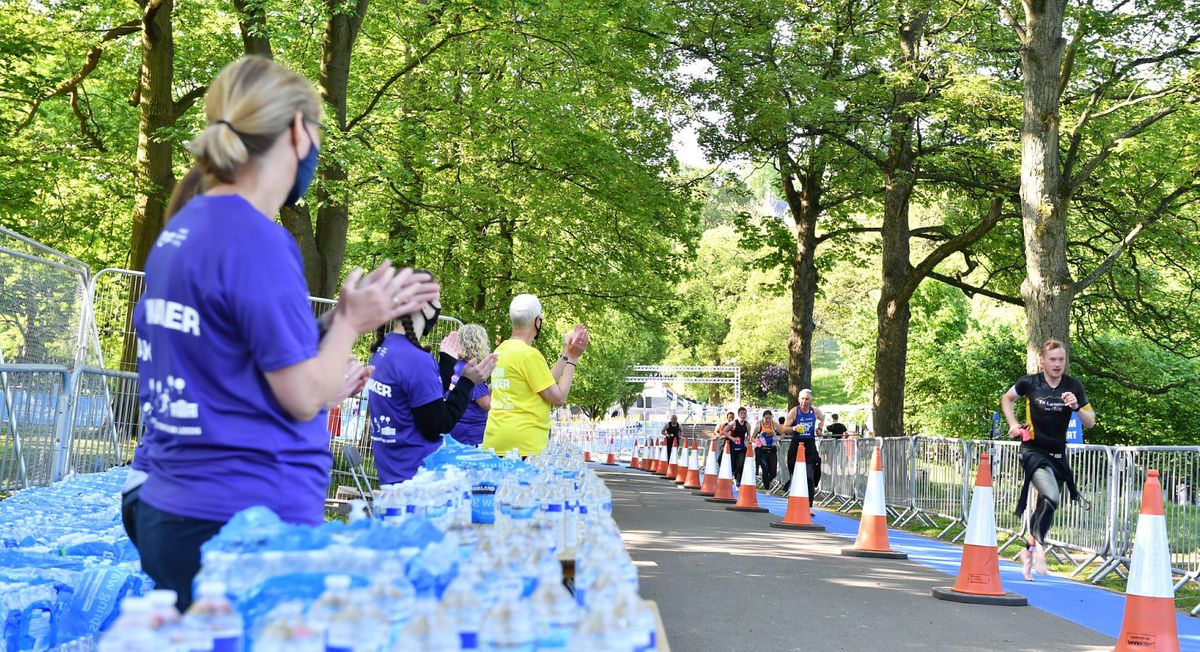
(234, 376)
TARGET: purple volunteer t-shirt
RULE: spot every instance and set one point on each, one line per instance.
(225, 302)
(469, 429)
(405, 377)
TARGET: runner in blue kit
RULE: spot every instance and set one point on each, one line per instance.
(234, 374)
(804, 422)
(1051, 397)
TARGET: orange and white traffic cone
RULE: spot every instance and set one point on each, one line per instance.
(661, 469)
(692, 481)
(685, 455)
(872, 538)
(673, 461)
(635, 462)
(979, 573)
(611, 458)
(587, 448)
(651, 455)
(799, 508)
(724, 491)
(708, 477)
(1149, 622)
(748, 490)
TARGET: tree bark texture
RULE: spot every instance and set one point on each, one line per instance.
(804, 202)
(1047, 289)
(892, 311)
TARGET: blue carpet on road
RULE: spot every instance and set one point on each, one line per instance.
(1078, 602)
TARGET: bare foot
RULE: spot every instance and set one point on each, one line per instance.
(1039, 560)
(1026, 560)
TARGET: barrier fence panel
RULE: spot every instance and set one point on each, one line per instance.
(1179, 473)
(898, 467)
(838, 470)
(114, 294)
(105, 421)
(33, 412)
(940, 480)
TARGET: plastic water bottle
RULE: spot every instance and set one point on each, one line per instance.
(464, 610)
(211, 623)
(509, 626)
(430, 630)
(286, 631)
(333, 601)
(555, 613)
(134, 630)
(360, 627)
(392, 593)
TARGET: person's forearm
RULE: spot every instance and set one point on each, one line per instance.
(1087, 416)
(565, 378)
(557, 370)
(1006, 407)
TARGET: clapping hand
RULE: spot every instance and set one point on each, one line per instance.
(354, 381)
(479, 370)
(575, 342)
(373, 300)
(452, 345)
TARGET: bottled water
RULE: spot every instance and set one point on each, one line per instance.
(430, 630)
(286, 631)
(358, 627)
(134, 630)
(509, 626)
(392, 593)
(162, 602)
(211, 623)
(463, 609)
(334, 600)
(555, 613)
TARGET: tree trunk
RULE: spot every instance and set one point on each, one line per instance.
(891, 339)
(1047, 289)
(804, 202)
(153, 177)
(252, 22)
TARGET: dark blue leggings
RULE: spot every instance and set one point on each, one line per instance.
(170, 548)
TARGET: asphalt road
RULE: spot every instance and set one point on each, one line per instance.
(726, 581)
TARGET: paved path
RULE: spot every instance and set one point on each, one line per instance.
(726, 581)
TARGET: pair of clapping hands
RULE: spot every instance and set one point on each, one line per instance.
(368, 301)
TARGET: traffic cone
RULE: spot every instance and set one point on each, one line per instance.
(685, 455)
(661, 467)
(648, 460)
(634, 462)
(979, 573)
(708, 483)
(673, 461)
(611, 458)
(748, 491)
(799, 507)
(724, 492)
(872, 538)
(1149, 622)
(692, 481)
(587, 448)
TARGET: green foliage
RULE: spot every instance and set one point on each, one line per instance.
(620, 342)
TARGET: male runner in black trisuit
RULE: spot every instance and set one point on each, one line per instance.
(1051, 398)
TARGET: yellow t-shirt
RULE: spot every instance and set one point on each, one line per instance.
(520, 417)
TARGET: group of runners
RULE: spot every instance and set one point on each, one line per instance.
(1051, 397)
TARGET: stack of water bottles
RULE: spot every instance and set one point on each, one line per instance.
(65, 563)
(465, 556)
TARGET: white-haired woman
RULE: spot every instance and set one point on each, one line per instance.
(410, 409)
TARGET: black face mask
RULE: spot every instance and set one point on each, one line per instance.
(431, 322)
(537, 330)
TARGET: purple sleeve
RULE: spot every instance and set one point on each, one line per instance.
(480, 391)
(270, 303)
(424, 386)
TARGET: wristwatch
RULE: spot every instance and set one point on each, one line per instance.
(564, 358)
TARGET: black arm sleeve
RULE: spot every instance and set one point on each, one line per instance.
(439, 416)
(446, 364)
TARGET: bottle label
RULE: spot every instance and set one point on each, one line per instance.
(554, 507)
(338, 648)
(468, 641)
(223, 643)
